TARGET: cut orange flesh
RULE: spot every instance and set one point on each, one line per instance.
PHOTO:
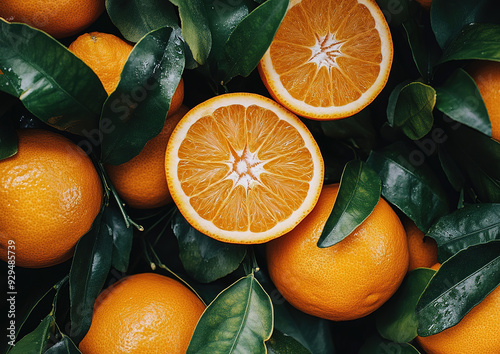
(329, 58)
(243, 169)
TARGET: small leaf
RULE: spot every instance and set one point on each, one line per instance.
(8, 139)
(413, 109)
(50, 81)
(377, 345)
(122, 237)
(136, 18)
(471, 225)
(475, 41)
(280, 343)
(359, 193)
(204, 258)
(135, 112)
(393, 100)
(252, 37)
(36, 341)
(461, 283)
(64, 346)
(459, 98)
(240, 319)
(89, 269)
(396, 320)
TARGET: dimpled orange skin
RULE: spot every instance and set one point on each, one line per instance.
(51, 194)
(423, 249)
(141, 182)
(348, 280)
(59, 18)
(143, 313)
(477, 333)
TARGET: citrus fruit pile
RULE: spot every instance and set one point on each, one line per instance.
(282, 176)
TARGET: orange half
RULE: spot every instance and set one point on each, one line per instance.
(243, 169)
(329, 58)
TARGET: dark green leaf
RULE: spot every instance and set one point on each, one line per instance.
(413, 109)
(459, 98)
(393, 100)
(135, 112)
(89, 269)
(451, 169)
(461, 283)
(359, 193)
(204, 258)
(51, 82)
(252, 36)
(473, 224)
(136, 18)
(64, 346)
(240, 319)
(6, 86)
(195, 28)
(396, 320)
(36, 341)
(409, 183)
(8, 139)
(475, 41)
(280, 343)
(122, 237)
(377, 345)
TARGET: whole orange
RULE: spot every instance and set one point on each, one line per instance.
(476, 333)
(348, 280)
(51, 194)
(141, 182)
(59, 18)
(423, 249)
(143, 313)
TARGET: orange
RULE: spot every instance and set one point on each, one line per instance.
(243, 169)
(143, 313)
(476, 333)
(59, 18)
(329, 58)
(423, 249)
(141, 182)
(426, 4)
(348, 280)
(486, 74)
(51, 194)
(436, 266)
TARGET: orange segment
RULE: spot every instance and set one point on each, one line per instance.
(243, 169)
(329, 58)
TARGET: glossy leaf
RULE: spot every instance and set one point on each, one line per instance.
(377, 345)
(6, 86)
(64, 346)
(409, 183)
(136, 18)
(459, 98)
(89, 269)
(251, 38)
(359, 193)
(122, 237)
(240, 319)
(36, 341)
(204, 258)
(135, 112)
(461, 283)
(475, 41)
(280, 343)
(50, 81)
(473, 224)
(413, 109)
(8, 139)
(451, 169)
(396, 319)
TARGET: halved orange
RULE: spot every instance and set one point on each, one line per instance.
(243, 169)
(329, 58)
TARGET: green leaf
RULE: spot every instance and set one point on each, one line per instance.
(89, 269)
(409, 183)
(240, 319)
(461, 283)
(50, 81)
(359, 193)
(252, 37)
(413, 109)
(122, 237)
(64, 346)
(470, 225)
(393, 100)
(36, 341)
(195, 28)
(135, 112)
(203, 257)
(377, 345)
(135, 18)
(459, 98)
(6, 86)
(396, 319)
(451, 169)
(8, 139)
(280, 343)
(475, 41)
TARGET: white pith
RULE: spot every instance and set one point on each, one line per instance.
(326, 50)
